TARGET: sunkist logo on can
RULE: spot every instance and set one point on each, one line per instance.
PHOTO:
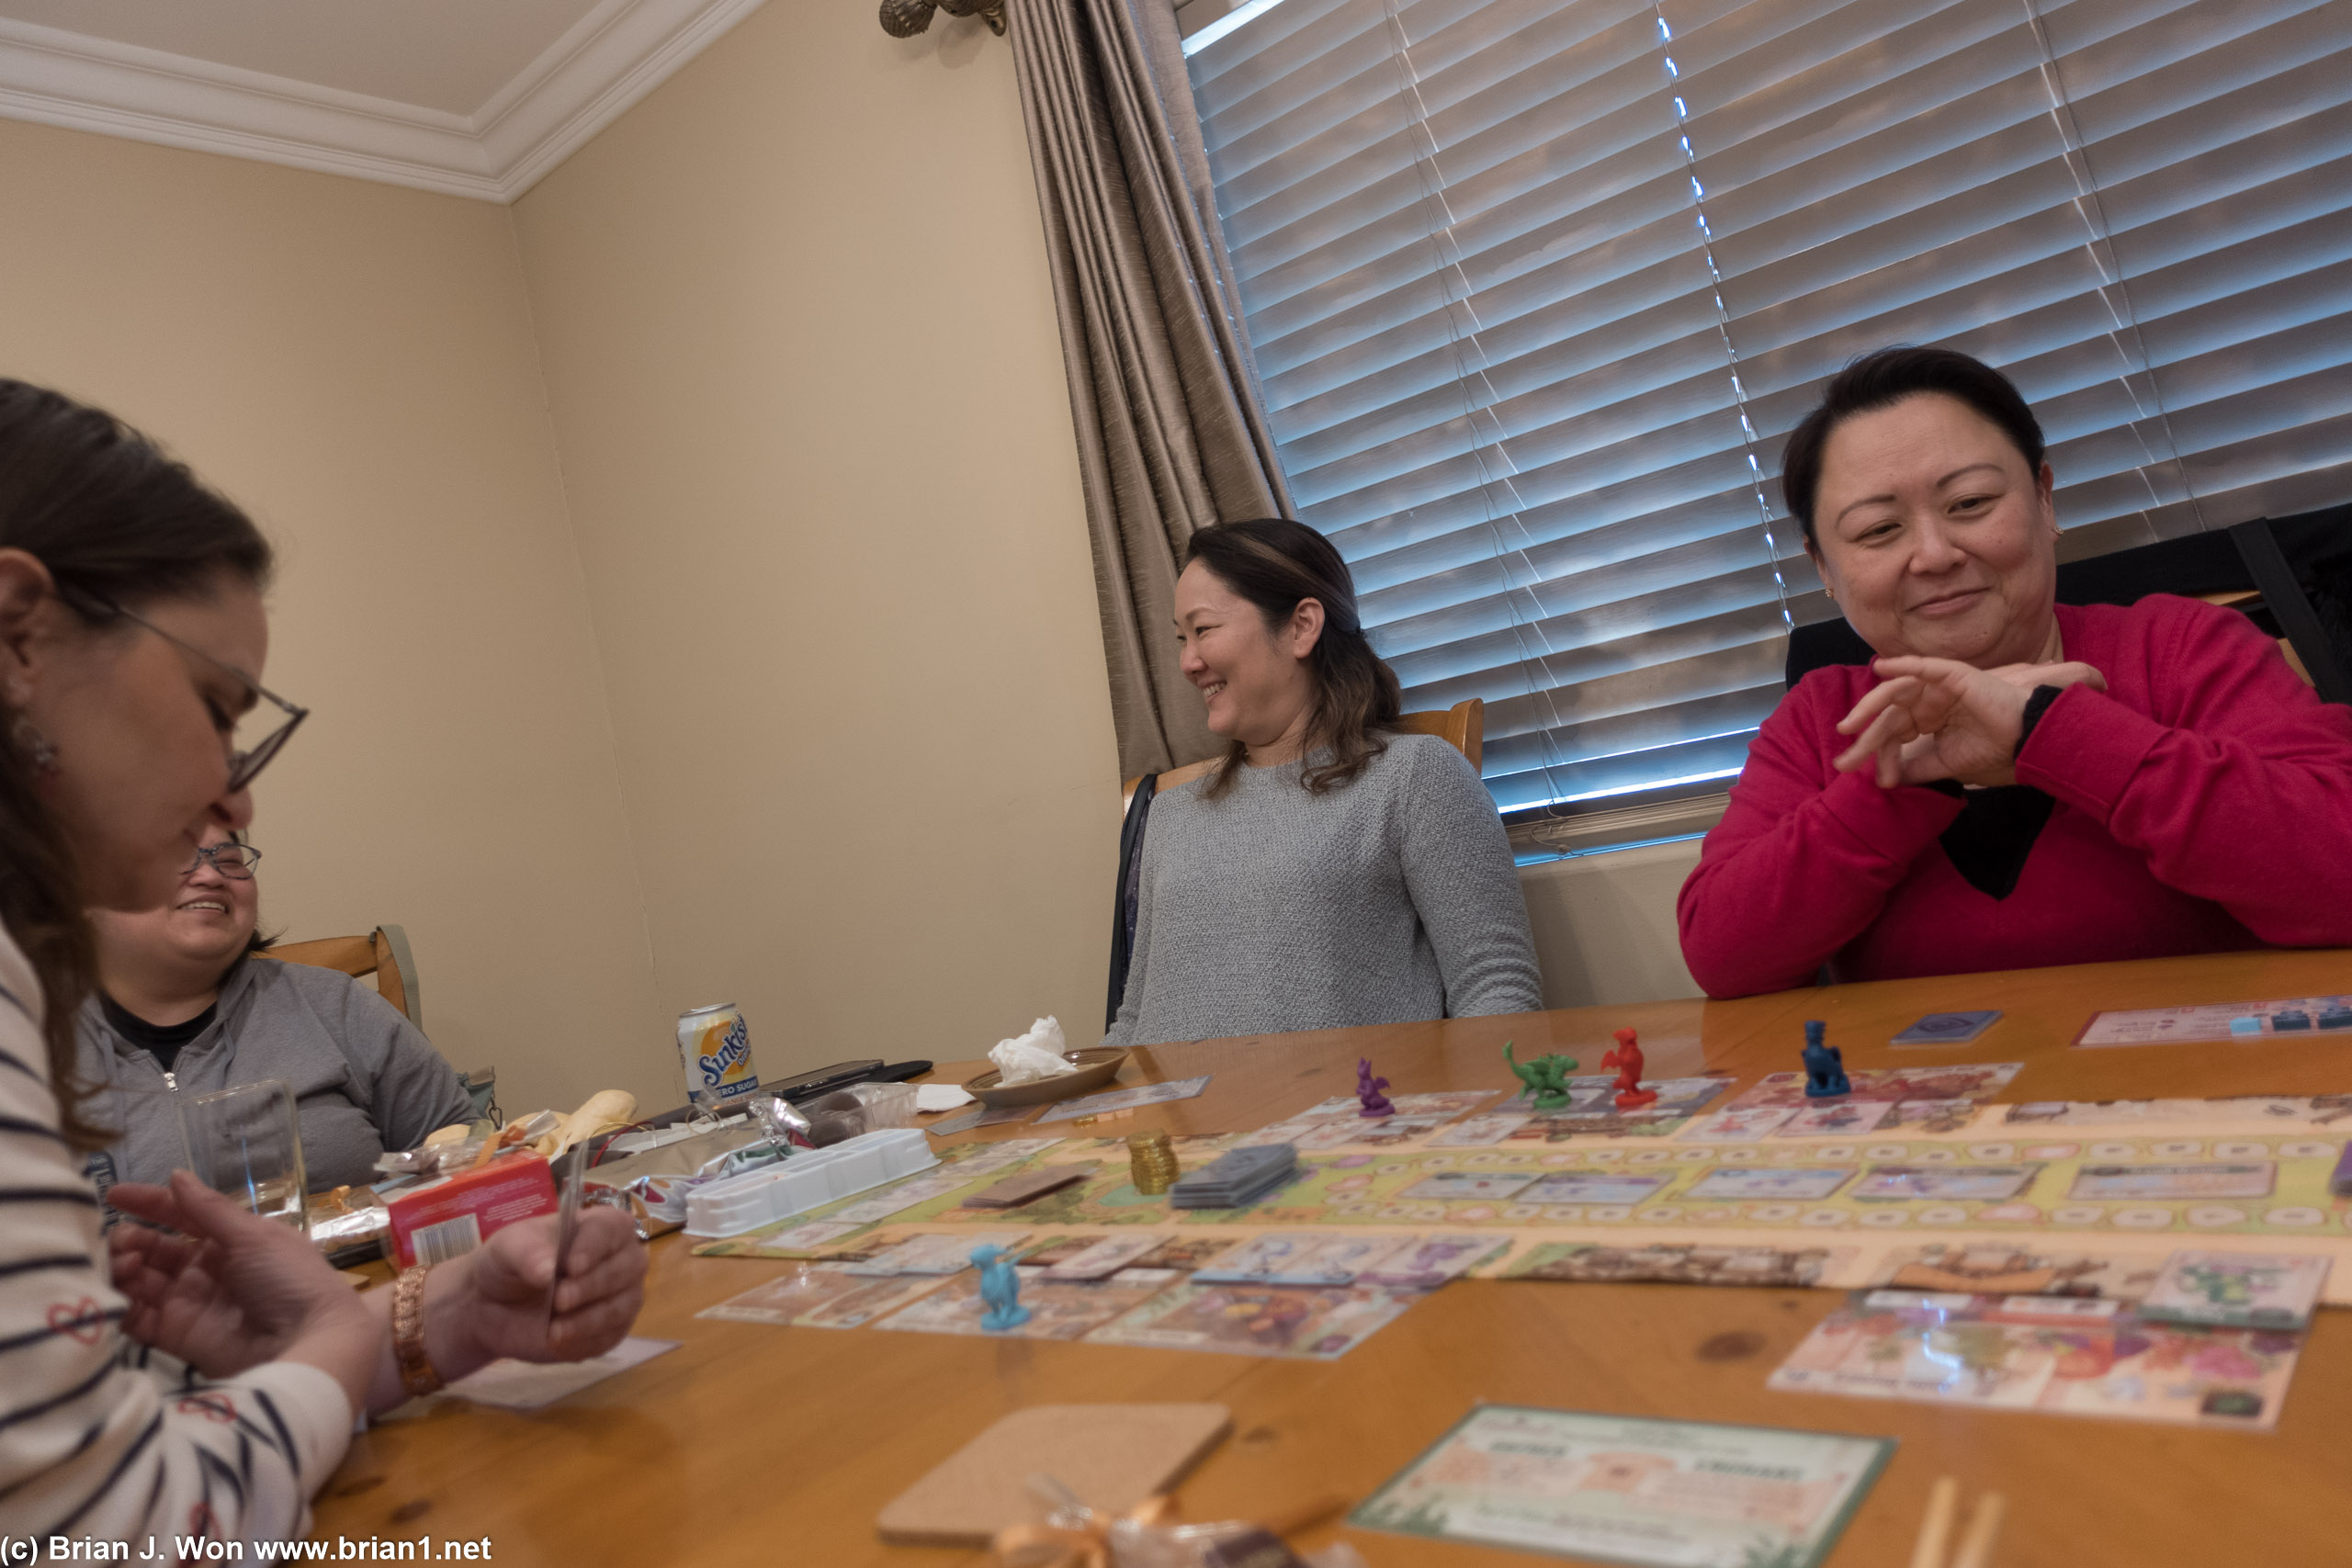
(716, 1045)
(725, 1056)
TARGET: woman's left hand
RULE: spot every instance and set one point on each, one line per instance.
(494, 1300)
(1938, 718)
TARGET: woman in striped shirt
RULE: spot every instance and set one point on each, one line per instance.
(201, 1382)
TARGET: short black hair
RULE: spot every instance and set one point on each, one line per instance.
(1883, 379)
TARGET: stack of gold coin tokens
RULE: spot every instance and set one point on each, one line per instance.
(1154, 1162)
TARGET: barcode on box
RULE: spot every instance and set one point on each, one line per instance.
(450, 1238)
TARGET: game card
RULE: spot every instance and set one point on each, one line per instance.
(1104, 1258)
(2085, 1357)
(819, 1295)
(1263, 1256)
(995, 1115)
(1676, 1263)
(2013, 1269)
(1057, 1310)
(1631, 1490)
(1808, 1184)
(1430, 1260)
(1948, 1028)
(1595, 1187)
(1840, 1118)
(936, 1254)
(1188, 1252)
(1478, 1132)
(1973, 1081)
(1125, 1099)
(1933, 1115)
(1739, 1125)
(2252, 1179)
(1257, 1320)
(1454, 1186)
(2241, 1289)
(810, 1237)
(1971, 1183)
(1339, 1260)
(1394, 1132)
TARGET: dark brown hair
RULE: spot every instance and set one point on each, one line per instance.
(118, 525)
(1881, 379)
(1275, 563)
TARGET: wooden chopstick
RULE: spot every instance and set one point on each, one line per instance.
(1984, 1528)
(1976, 1541)
(1935, 1530)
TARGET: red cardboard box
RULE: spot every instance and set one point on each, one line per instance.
(451, 1215)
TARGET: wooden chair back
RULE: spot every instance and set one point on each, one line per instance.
(1463, 726)
(382, 952)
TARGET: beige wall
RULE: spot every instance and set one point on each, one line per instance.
(1604, 925)
(800, 344)
(354, 363)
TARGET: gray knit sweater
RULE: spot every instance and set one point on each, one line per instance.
(1391, 900)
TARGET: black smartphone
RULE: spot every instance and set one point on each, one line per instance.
(824, 1080)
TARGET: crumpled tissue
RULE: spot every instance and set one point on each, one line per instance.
(1031, 1056)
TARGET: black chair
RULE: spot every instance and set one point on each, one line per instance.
(2300, 568)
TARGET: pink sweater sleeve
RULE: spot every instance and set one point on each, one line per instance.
(2239, 790)
(1804, 859)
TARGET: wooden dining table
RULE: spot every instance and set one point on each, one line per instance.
(754, 1444)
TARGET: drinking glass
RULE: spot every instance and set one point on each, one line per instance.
(246, 1141)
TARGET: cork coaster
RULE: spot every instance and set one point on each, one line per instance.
(1113, 1456)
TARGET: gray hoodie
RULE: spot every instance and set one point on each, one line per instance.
(365, 1079)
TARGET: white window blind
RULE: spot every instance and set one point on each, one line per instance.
(1538, 287)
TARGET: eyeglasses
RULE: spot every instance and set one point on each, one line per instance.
(229, 858)
(245, 763)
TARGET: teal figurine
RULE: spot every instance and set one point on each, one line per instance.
(1825, 1069)
(1000, 1290)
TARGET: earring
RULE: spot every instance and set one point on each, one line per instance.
(38, 749)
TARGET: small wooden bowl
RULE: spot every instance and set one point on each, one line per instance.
(1097, 1066)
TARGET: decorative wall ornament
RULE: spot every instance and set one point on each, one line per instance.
(905, 19)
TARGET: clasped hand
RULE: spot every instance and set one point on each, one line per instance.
(230, 1290)
(1938, 718)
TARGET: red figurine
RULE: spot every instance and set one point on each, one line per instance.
(1627, 1059)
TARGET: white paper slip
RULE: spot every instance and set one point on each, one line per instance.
(534, 1385)
(941, 1097)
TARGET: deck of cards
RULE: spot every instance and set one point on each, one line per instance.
(1236, 1178)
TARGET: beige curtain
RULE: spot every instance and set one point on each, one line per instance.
(1171, 432)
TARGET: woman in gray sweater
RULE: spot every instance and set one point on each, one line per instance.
(184, 1008)
(1329, 872)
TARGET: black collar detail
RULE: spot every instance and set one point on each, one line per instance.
(1988, 842)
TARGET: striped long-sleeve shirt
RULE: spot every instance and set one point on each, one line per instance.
(94, 1442)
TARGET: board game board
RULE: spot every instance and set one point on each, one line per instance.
(2070, 1194)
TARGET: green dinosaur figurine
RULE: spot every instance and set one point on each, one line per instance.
(1546, 1077)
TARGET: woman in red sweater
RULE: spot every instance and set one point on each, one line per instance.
(2014, 782)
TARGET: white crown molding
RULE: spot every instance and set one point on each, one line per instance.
(606, 62)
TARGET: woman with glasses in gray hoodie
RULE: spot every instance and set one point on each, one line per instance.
(183, 1007)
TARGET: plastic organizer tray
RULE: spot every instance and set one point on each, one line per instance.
(805, 1182)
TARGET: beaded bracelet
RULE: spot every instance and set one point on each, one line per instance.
(417, 1373)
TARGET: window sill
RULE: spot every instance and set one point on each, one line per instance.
(1539, 839)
